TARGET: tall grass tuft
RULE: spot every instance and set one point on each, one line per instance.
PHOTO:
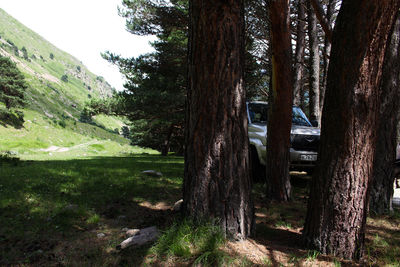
(199, 242)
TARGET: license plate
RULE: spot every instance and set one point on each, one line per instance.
(308, 157)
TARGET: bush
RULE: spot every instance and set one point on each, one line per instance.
(64, 78)
(62, 123)
(9, 157)
(51, 56)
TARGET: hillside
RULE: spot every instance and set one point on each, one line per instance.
(59, 86)
(44, 65)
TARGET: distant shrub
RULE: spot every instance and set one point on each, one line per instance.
(10, 42)
(51, 56)
(25, 53)
(89, 88)
(33, 57)
(62, 123)
(89, 96)
(64, 78)
(100, 79)
(9, 157)
(125, 131)
(78, 68)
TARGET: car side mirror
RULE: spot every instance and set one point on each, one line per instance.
(314, 123)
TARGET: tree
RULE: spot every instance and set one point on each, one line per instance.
(280, 113)
(337, 208)
(216, 176)
(299, 54)
(12, 84)
(383, 172)
(154, 99)
(313, 65)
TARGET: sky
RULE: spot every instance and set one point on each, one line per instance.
(82, 28)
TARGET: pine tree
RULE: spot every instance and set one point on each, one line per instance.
(12, 84)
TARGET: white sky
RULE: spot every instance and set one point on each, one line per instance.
(82, 28)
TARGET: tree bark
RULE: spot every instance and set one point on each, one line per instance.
(326, 55)
(216, 180)
(280, 118)
(337, 209)
(299, 54)
(313, 65)
(383, 173)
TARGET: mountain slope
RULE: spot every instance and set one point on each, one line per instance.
(59, 83)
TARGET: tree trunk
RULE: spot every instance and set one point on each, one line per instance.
(326, 55)
(299, 54)
(337, 209)
(280, 118)
(216, 180)
(167, 141)
(313, 64)
(383, 173)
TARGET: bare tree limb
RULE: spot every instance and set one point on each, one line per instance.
(320, 13)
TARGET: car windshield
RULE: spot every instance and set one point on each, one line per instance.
(258, 113)
(299, 118)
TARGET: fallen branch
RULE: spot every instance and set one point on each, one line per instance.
(141, 237)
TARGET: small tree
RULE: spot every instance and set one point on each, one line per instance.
(51, 56)
(64, 78)
(12, 84)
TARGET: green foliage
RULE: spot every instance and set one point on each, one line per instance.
(51, 56)
(154, 99)
(64, 78)
(12, 84)
(14, 118)
(25, 53)
(9, 157)
(192, 240)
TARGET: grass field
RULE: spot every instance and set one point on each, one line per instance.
(71, 212)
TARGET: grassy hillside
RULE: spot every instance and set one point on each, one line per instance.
(44, 66)
(59, 87)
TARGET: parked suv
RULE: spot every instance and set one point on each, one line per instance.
(304, 138)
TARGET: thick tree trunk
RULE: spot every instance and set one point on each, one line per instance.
(299, 54)
(385, 154)
(337, 209)
(216, 179)
(313, 65)
(280, 118)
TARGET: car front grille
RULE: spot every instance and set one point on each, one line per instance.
(305, 142)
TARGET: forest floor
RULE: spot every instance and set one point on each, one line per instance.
(72, 212)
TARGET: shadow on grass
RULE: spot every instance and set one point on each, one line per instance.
(47, 207)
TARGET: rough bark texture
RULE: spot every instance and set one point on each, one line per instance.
(385, 154)
(299, 54)
(216, 179)
(337, 209)
(280, 118)
(313, 65)
(326, 55)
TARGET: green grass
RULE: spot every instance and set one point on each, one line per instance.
(51, 199)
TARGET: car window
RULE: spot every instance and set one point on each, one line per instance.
(299, 118)
(258, 113)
